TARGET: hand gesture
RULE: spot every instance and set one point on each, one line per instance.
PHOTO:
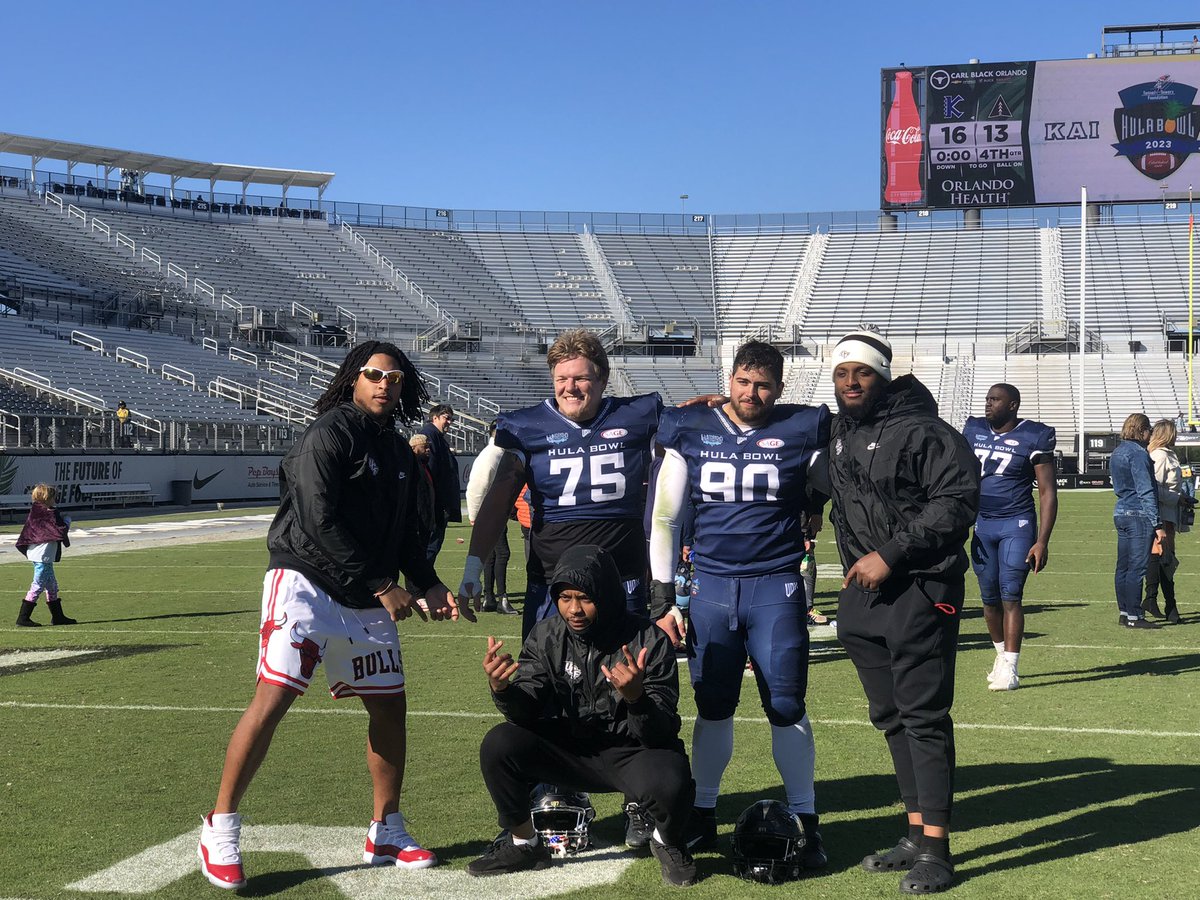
(1039, 555)
(673, 626)
(499, 667)
(400, 604)
(442, 605)
(709, 400)
(870, 572)
(627, 676)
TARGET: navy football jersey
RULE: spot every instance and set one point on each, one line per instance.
(587, 482)
(1006, 464)
(749, 488)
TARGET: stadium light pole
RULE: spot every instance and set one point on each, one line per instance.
(1082, 326)
(1191, 350)
(683, 199)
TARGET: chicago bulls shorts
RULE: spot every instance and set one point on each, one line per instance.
(302, 627)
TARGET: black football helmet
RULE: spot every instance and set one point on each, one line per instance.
(562, 818)
(767, 842)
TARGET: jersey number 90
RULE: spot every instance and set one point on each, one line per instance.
(719, 483)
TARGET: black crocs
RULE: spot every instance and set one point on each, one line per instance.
(899, 857)
(929, 875)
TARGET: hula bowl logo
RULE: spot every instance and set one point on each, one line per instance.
(613, 433)
(1157, 126)
(770, 443)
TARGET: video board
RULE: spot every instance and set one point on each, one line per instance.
(987, 135)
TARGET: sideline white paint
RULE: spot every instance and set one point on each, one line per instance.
(464, 714)
(337, 853)
(13, 658)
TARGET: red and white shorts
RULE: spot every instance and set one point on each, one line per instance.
(302, 626)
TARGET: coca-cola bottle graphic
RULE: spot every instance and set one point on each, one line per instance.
(903, 147)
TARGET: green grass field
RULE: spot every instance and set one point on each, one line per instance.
(1080, 784)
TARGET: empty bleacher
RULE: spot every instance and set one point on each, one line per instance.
(755, 275)
(666, 278)
(952, 283)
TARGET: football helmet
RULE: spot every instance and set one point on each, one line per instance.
(767, 843)
(562, 818)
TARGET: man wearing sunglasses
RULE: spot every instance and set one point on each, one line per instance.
(443, 465)
(345, 529)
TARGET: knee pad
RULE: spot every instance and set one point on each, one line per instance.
(784, 712)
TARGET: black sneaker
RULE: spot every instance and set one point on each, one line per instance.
(701, 833)
(899, 857)
(930, 874)
(639, 827)
(505, 857)
(1140, 623)
(678, 869)
(813, 856)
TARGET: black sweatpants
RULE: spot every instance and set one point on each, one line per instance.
(495, 569)
(514, 758)
(903, 639)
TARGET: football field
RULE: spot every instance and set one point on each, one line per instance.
(1082, 783)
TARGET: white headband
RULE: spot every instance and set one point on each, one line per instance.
(867, 348)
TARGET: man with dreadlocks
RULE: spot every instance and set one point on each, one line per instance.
(345, 529)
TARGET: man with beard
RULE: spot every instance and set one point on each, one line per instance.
(905, 489)
(1011, 539)
(745, 469)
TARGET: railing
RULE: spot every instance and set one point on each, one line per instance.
(140, 360)
(177, 271)
(101, 227)
(83, 339)
(74, 212)
(123, 241)
(149, 256)
(210, 344)
(203, 287)
(174, 373)
(618, 303)
(278, 368)
(237, 353)
(806, 282)
(367, 249)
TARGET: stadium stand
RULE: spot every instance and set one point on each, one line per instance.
(238, 313)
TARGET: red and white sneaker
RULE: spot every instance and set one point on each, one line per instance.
(388, 842)
(220, 852)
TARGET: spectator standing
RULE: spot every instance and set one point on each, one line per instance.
(41, 541)
(426, 509)
(1175, 509)
(1135, 516)
(905, 488)
(447, 492)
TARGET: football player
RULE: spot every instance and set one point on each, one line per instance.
(1010, 540)
(745, 466)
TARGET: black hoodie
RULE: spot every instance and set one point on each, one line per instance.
(905, 484)
(560, 677)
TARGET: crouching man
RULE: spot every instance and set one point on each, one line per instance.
(590, 706)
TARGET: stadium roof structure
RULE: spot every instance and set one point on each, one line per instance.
(108, 158)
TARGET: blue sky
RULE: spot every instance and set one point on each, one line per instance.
(616, 105)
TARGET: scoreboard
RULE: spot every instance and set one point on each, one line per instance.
(1029, 132)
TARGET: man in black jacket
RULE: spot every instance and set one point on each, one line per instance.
(905, 492)
(591, 706)
(443, 465)
(345, 529)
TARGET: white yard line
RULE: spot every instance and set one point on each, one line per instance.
(462, 714)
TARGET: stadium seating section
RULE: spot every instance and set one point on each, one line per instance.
(243, 322)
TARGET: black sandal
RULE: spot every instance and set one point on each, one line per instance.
(929, 875)
(899, 857)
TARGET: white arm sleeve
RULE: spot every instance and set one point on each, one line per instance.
(483, 473)
(670, 493)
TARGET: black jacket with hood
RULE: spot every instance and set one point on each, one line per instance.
(347, 509)
(905, 484)
(560, 677)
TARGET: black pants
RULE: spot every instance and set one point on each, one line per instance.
(514, 758)
(495, 569)
(903, 641)
(1160, 571)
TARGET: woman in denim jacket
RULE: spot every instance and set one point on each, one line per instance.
(1136, 517)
